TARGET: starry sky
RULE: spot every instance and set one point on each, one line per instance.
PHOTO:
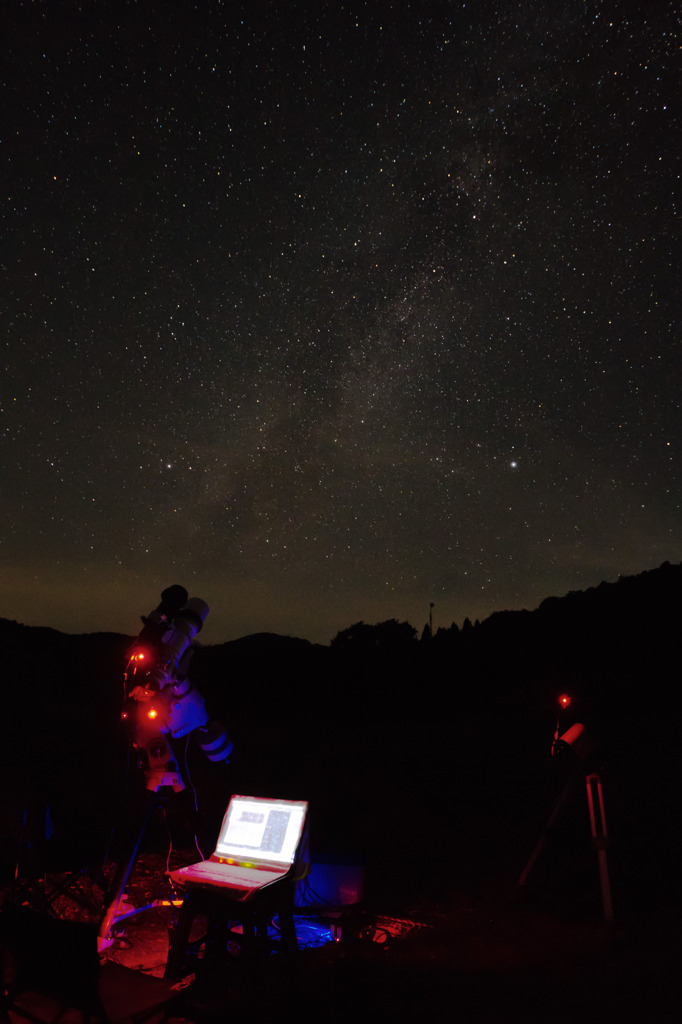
(330, 310)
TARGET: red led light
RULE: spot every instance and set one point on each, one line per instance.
(564, 700)
(137, 659)
(152, 713)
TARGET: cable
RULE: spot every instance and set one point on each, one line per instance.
(170, 839)
(194, 792)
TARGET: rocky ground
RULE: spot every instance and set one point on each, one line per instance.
(487, 960)
(490, 958)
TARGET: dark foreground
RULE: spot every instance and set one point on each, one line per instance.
(486, 962)
(492, 958)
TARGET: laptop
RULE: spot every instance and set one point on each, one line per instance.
(257, 845)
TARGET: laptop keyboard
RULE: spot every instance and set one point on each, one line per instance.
(228, 875)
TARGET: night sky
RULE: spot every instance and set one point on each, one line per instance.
(329, 310)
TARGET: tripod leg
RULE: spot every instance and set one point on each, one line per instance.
(600, 839)
(542, 841)
(177, 950)
(123, 872)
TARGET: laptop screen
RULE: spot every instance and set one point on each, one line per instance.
(257, 829)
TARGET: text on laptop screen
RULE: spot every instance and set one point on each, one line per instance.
(261, 830)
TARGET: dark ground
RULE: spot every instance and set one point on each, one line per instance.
(538, 954)
(494, 957)
(482, 961)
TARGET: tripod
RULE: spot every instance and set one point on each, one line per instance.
(595, 802)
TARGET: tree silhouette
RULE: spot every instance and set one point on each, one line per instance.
(384, 636)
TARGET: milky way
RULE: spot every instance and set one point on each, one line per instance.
(328, 311)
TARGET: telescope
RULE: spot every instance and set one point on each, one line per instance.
(161, 705)
(161, 702)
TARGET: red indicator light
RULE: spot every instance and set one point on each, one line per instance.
(564, 700)
(137, 660)
(152, 713)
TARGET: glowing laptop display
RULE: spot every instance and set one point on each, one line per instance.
(259, 830)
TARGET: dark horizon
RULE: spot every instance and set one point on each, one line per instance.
(647, 581)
